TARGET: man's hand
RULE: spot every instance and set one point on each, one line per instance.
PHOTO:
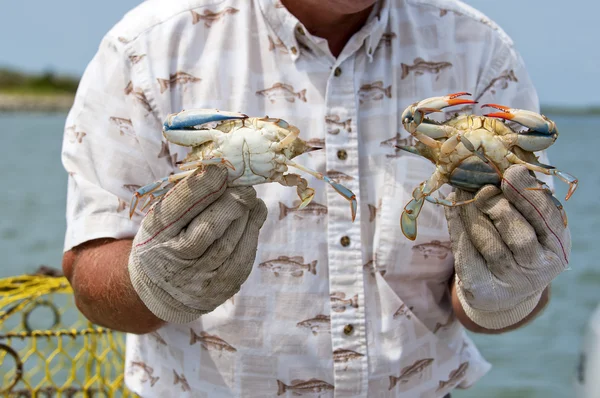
(508, 246)
(196, 246)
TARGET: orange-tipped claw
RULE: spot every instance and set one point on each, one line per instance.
(507, 114)
(454, 100)
(436, 104)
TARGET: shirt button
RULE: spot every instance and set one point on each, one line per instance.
(345, 241)
(294, 50)
(342, 154)
(348, 329)
(300, 30)
(337, 71)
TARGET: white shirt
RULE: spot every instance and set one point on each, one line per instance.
(283, 333)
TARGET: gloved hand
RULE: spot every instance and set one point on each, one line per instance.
(196, 246)
(508, 246)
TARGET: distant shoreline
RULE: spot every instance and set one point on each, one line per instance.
(47, 103)
(61, 103)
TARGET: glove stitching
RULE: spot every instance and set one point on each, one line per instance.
(181, 216)
(543, 219)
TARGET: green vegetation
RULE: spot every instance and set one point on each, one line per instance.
(14, 82)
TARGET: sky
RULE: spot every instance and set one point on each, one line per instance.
(559, 41)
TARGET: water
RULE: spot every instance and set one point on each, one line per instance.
(537, 361)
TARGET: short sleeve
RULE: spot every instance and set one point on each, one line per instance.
(506, 81)
(102, 153)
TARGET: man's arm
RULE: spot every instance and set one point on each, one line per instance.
(475, 328)
(97, 271)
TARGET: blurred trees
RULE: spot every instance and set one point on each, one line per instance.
(46, 82)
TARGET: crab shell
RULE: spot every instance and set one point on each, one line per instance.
(248, 144)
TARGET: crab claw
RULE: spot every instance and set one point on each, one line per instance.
(195, 117)
(415, 113)
(534, 121)
(436, 104)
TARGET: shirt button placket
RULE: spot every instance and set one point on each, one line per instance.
(348, 330)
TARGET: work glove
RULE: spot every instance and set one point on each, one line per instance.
(508, 246)
(196, 246)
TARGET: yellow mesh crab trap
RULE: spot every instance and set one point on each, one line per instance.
(49, 349)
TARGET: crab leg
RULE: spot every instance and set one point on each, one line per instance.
(544, 187)
(305, 193)
(408, 219)
(152, 187)
(565, 177)
(342, 190)
(542, 131)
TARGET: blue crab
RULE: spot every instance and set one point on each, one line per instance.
(470, 151)
(255, 150)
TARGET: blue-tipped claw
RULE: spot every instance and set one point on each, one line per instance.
(196, 117)
(346, 193)
(143, 191)
(408, 219)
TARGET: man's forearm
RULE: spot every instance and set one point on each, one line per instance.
(475, 328)
(97, 271)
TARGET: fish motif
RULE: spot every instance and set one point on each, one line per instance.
(273, 45)
(158, 338)
(282, 90)
(454, 376)
(210, 342)
(334, 120)
(180, 379)
(301, 387)
(420, 66)
(338, 175)
(132, 187)
(439, 325)
(339, 302)
(374, 92)
(500, 82)
(176, 78)
(397, 140)
(293, 266)
(370, 267)
(147, 372)
(74, 136)
(403, 310)
(340, 355)
(312, 208)
(316, 143)
(210, 17)
(139, 95)
(136, 58)
(164, 150)
(320, 323)
(386, 40)
(125, 125)
(122, 205)
(435, 248)
(410, 371)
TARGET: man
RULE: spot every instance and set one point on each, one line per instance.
(235, 292)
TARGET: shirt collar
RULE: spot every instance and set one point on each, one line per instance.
(289, 29)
